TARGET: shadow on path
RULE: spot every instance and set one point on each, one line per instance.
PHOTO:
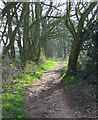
(46, 97)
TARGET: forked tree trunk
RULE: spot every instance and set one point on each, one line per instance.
(77, 36)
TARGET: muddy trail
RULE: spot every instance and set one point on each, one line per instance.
(47, 98)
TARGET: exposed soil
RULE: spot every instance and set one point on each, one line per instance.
(49, 98)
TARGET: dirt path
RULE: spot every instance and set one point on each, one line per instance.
(46, 98)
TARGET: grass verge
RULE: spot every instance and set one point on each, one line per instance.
(14, 90)
(81, 93)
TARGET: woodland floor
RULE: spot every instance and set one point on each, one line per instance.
(48, 97)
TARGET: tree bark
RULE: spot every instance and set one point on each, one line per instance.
(25, 33)
(6, 49)
(73, 57)
(10, 35)
(77, 37)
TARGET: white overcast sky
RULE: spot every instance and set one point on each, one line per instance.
(61, 1)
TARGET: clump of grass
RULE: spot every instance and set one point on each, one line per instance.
(64, 69)
(77, 82)
(14, 90)
(68, 80)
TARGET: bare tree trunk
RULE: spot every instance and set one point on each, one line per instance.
(10, 35)
(77, 36)
(7, 48)
(36, 42)
(73, 57)
(25, 32)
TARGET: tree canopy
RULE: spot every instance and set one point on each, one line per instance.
(37, 28)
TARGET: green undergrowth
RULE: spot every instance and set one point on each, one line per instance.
(63, 73)
(14, 90)
(78, 83)
(81, 90)
(73, 81)
(63, 59)
(68, 80)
